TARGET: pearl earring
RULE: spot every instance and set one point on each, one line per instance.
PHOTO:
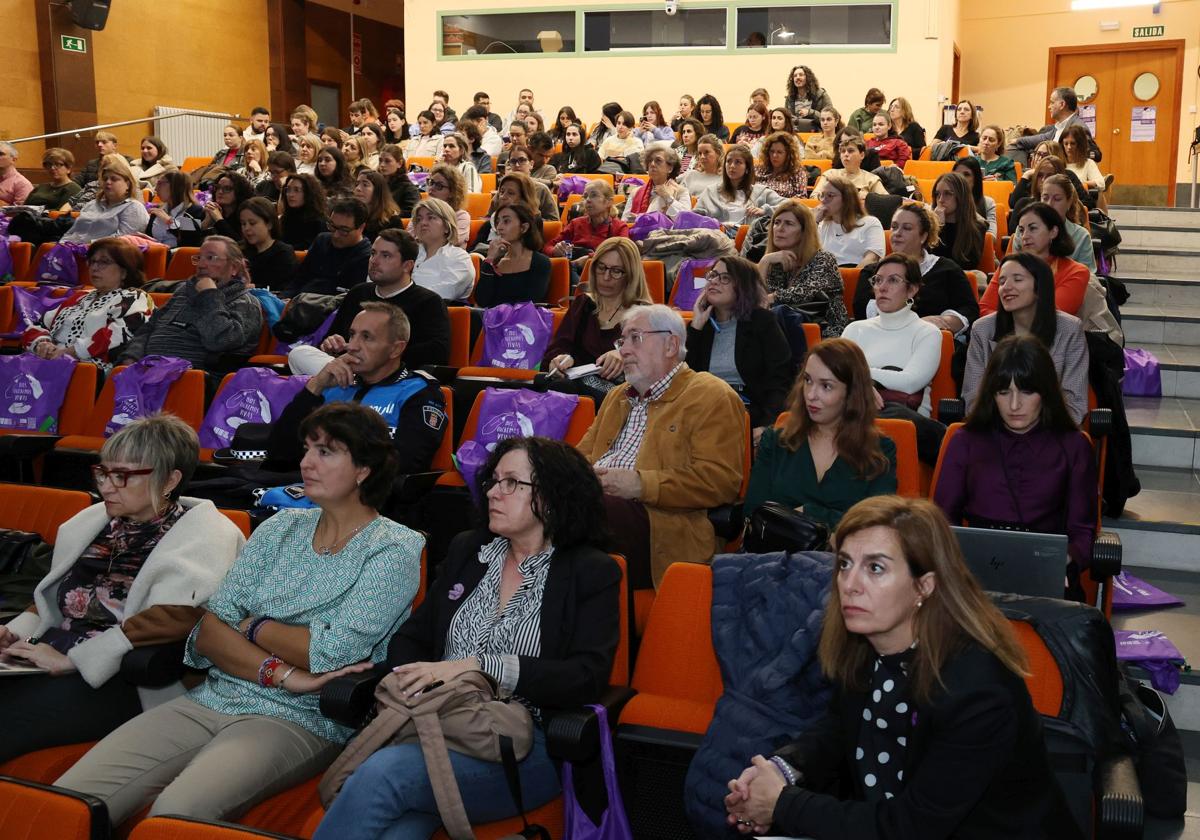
(919, 602)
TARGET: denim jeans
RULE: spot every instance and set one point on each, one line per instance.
(389, 796)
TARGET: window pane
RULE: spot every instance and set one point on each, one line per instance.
(687, 29)
(797, 26)
(499, 34)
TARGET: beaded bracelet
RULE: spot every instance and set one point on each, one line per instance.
(267, 671)
(253, 627)
(788, 772)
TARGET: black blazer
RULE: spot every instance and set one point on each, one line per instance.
(763, 359)
(944, 287)
(580, 622)
(975, 767)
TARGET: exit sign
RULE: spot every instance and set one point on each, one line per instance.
(1149, 31)
(75, 45)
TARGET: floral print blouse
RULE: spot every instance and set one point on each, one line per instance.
(95, 325)
(788, 186)
(818, 279)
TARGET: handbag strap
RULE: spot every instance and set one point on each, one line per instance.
(441, 775)
(508, 757)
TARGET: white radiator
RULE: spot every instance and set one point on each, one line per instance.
(191, 135)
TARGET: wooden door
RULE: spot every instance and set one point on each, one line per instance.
(1143, 164)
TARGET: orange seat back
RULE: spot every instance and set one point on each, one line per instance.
(460, 335)
(476, 226)
(191, 164)
(477, 205)
(184, 399)
(676, 674)
(812, 333)
(39, 509)
(850, 279)
(559, 289)
(824, 164)
(180, 267)
(656, 279)
(927, 168)
(29, 811)
(620, 669)
(240, 518)
(442, 458)
(987, 261)
(1045, 682)
(187, 828)
(77, 403)
(550, 229)
(154, 261)
(487, 182)
(903, 433)
(943, 386)
(7, 312)
(22, 255)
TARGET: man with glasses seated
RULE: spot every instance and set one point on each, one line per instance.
(666, 448)
(337, 260)
(209, 315)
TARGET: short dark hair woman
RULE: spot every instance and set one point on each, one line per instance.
(531, 600)
(132, 570)
(931, 730)
(805, 98)
(303, 215)
(735, 337)
(315, 594)
(831, 422)
(55, 194)
(1021, 462)
(1026, 286)
(271, 262)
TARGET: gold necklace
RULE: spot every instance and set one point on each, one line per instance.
(327, 550)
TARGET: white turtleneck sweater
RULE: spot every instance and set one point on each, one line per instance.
(899, 340)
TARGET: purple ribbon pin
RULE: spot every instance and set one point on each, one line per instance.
(456, 592)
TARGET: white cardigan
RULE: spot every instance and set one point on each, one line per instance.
(184, 569)
(899, 339)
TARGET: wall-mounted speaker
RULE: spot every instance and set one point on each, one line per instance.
(90, 14)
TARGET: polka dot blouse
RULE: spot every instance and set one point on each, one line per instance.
(887, 721)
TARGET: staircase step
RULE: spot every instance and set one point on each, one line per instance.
(1164, 431)
(1149, 323)
(1160, 288)
(1158, 259)
(1181, 217)
(1179, 366)
(1159, 236)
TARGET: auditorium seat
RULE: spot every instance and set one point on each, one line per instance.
(39, 509)
(927, 168)
(180, 267)
(31, 811)
(850, 280)
(21, 254)
(185, 828)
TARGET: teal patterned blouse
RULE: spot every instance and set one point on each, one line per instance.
(352, 602)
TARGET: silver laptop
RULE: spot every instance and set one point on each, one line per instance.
(1015, 561)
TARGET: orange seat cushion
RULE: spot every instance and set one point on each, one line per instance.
(297, 811)
(45, 765)
(549, 815)
(665, 712)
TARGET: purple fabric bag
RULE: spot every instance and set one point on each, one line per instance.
(60, 265)
(32, 391)
(418, 178)
(141, 389)
(515, 335)
(1133, 593)
(647, 223)
(690, 282)
(1153, 651)
(29, 305)
(6, 263)
(1142, 377)
(254, 395)
(571, 185)
(311, 340)
(687, 220)
(507, 413)
(614, 824)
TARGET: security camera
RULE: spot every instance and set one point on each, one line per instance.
(672, 6)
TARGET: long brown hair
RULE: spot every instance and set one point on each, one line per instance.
(857, 438)
(810, 242)
(1076, 212)
(954, 614)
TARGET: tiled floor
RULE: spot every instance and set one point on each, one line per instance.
(1164, 413)
(1179, 354)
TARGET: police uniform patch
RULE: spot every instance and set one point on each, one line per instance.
(434, 417)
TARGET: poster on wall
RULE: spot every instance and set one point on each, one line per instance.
(1142, 128)
(1087, 114)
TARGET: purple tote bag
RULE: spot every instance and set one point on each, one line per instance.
(1142, 376)
(32, 392)
(29, 305)
(1133, 593)
(507, 413)
(254, 395)
(60, 265)
(515, 335)
(6, 263)
(141, 389)
(690, 282)
(614, 824)
(1154, 652)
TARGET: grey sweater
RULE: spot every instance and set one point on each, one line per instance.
(200, 326)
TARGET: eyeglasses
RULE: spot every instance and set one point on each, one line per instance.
(637, 337)
(507, 486)
(718, 278)
(890, 280)
(119, 478)
(518, 161)
(437, 185)
(208, 258)
(99, 263)
(342, 229)
(616, 272)
(50, 167)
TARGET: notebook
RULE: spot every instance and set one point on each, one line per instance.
(1015, 561)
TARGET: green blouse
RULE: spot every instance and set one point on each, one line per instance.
(790, 478)
(1002, 167)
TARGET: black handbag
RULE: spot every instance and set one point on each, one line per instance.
(1157, 749)
(776, 527)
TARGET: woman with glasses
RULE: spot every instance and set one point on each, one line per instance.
(220, 214)
(736, 338)
(316, 593)
(798, 273)
(903, 350)
(134, 569)
(92, 325)
(662, 193)
(55, 194)
(827, 455)
(302, 214)
(447, 184)
(593, 320)
(532, 600)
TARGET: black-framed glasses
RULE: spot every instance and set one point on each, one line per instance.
(437, 185)
(507, 486)
(342, 229)
(118, 477)
(718, 278)
(616, 272)
(637, 337)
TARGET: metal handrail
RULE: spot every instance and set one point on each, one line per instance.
(79, 132)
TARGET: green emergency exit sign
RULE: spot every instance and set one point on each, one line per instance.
(1149, 31)
(75, 45)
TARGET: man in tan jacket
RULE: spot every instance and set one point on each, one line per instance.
(666, 447)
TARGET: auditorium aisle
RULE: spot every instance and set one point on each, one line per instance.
(1160, 527)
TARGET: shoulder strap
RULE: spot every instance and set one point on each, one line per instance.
(508, 758)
